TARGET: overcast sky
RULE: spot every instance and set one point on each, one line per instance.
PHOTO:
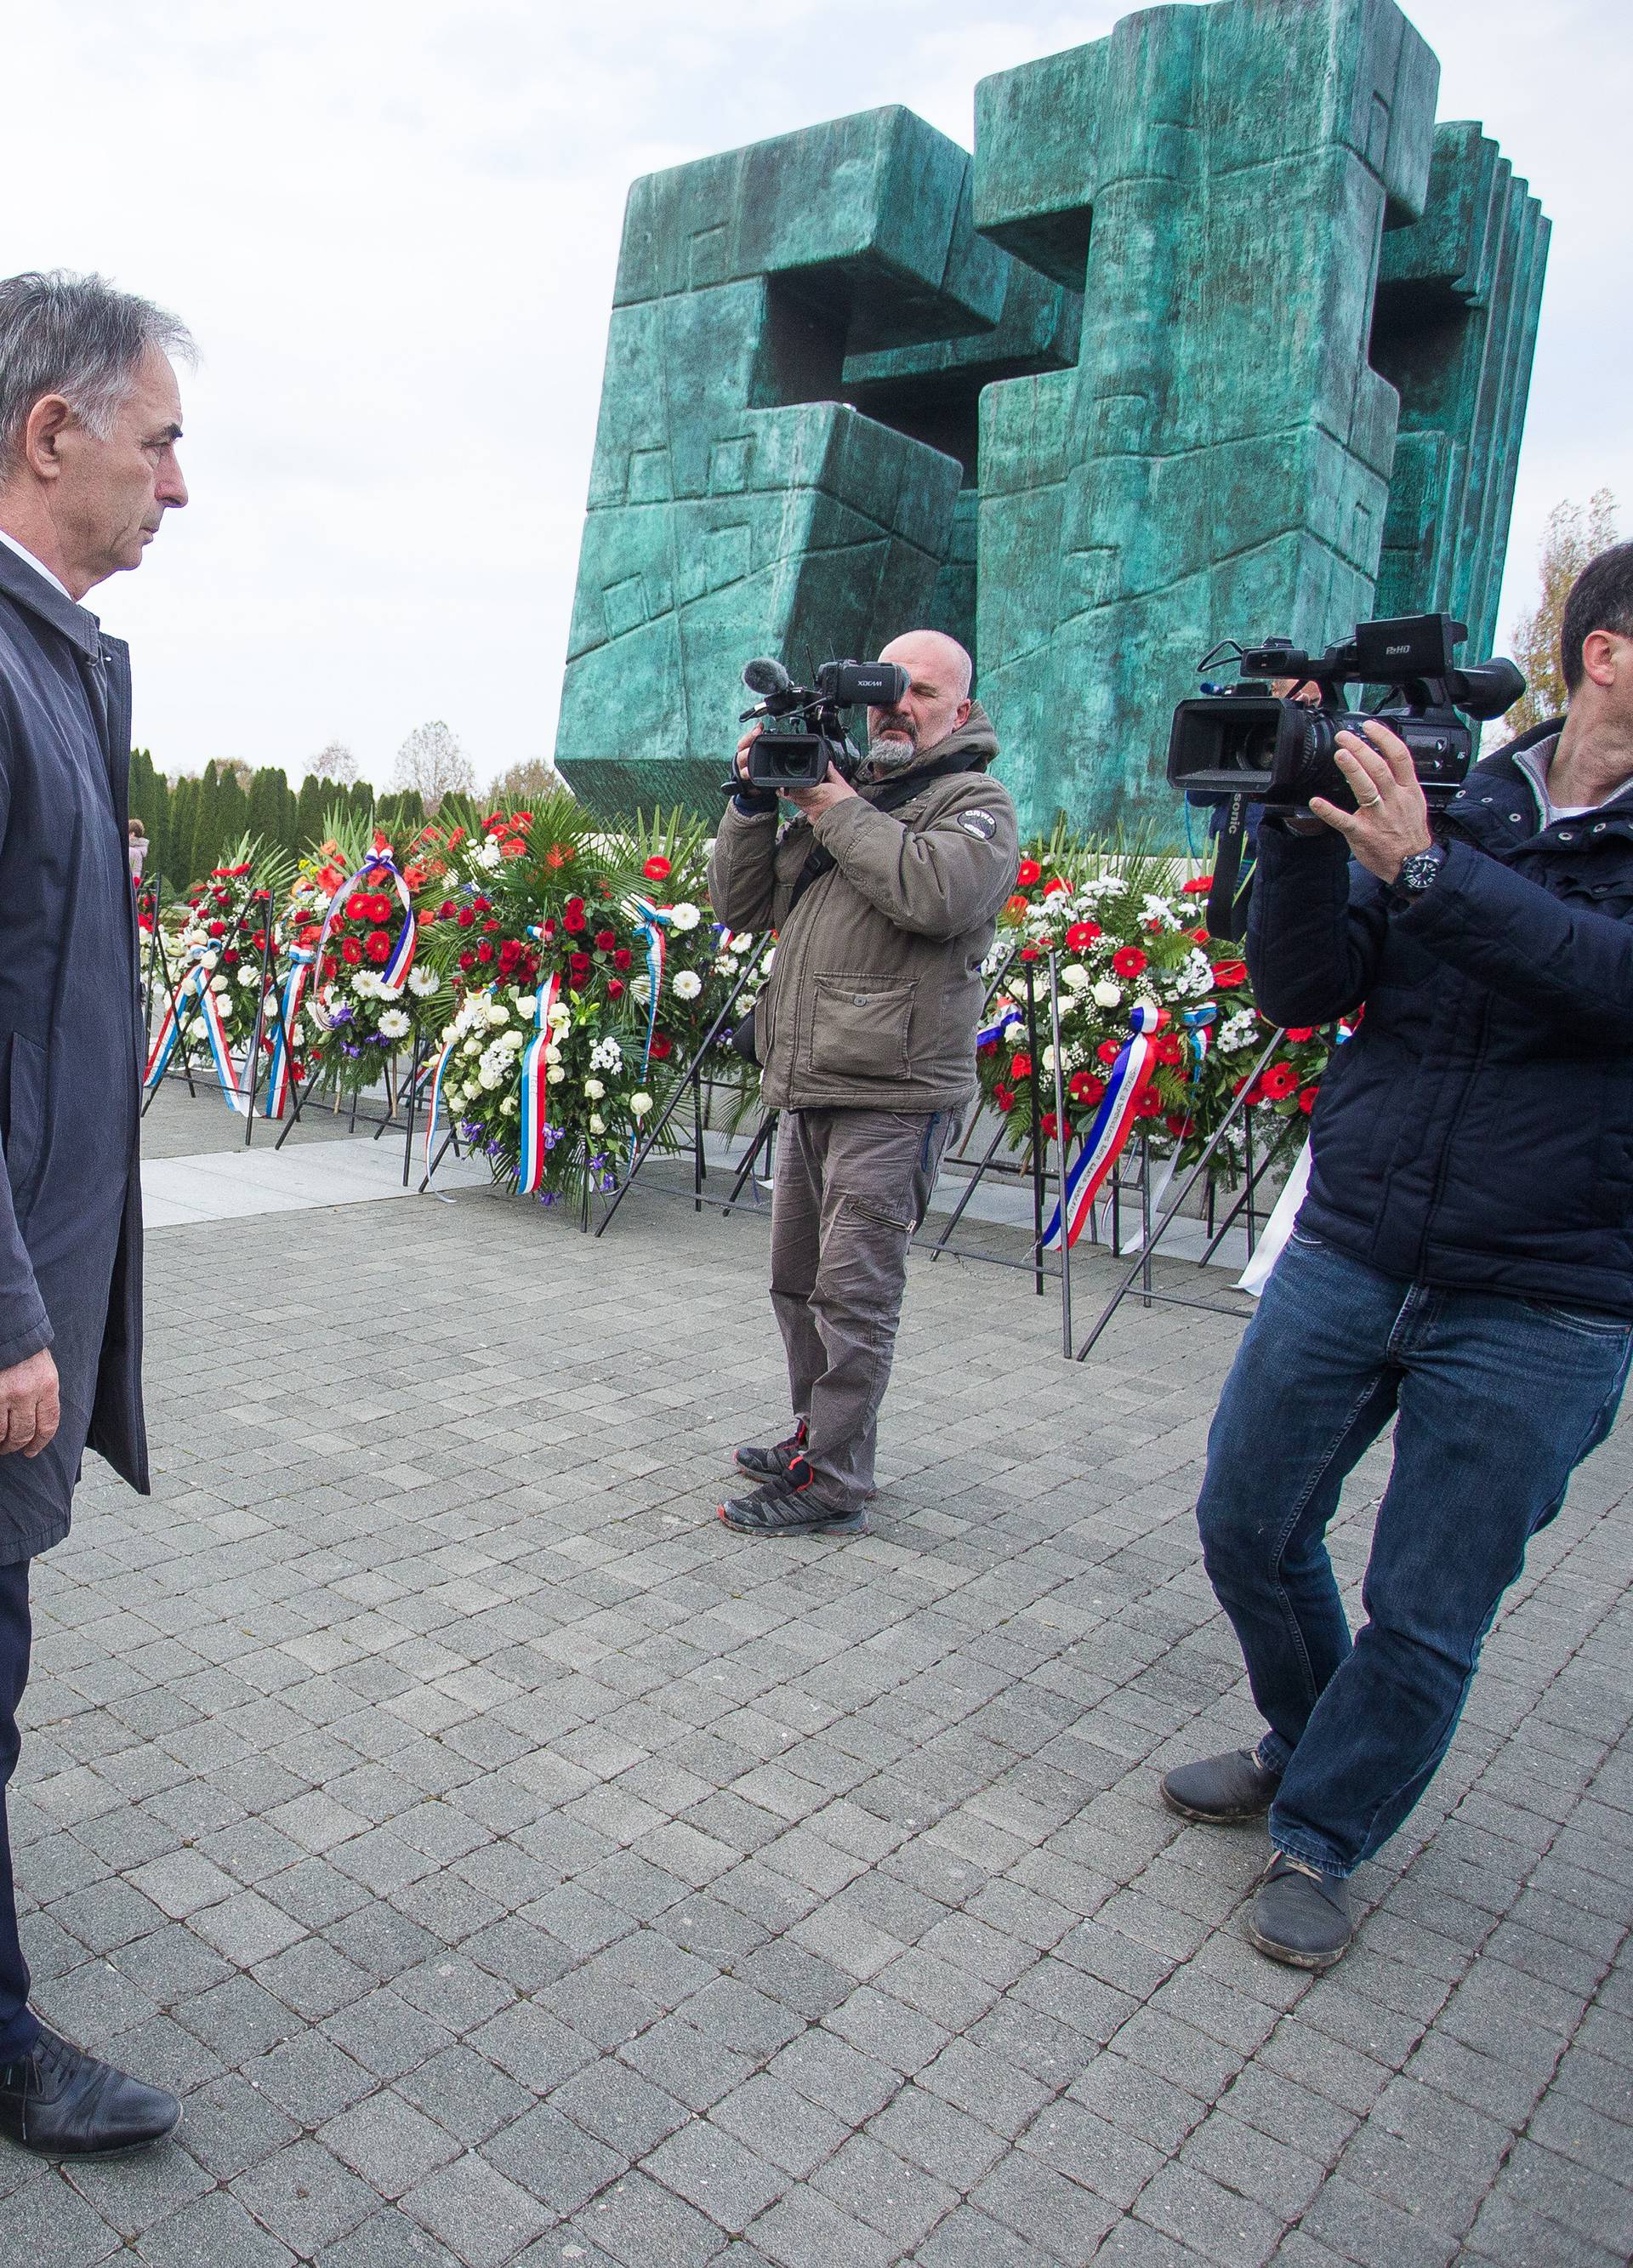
(394, 229)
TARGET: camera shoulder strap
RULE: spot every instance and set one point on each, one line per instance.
(1227, 905)
(890, 798)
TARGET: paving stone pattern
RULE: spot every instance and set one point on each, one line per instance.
(510, 1865)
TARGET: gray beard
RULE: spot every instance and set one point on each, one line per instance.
(887, 759)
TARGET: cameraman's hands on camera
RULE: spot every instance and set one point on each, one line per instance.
(1390, 820)
(811, 801)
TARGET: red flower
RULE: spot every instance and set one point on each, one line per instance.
(351, 952)
(1229, 974)
(1148, 1103)
(357, 907)
(1279, 1082)
(467, 917)
(614, 988)
(656, 868)
(509, 953)
(548, 926)
(1003, 1097)
(1178, 1124)
(573, 918)
(622, 958)
(330, 966)
(446, 911)
(1030, 872)
(1020, 1067)
(1300, 1032)
(379, 945)
(1057, 889)
(1015, 905)
(662, 1045)
(489, 927)
(1109, 1050)
(259, 940)
(578, 964)
(1128, 961)
(1198, 887)
(1306, 1098)
(1082, 1086)
(468, 960)
(1197, 936)
(229, 959)
(484, 950)
(605, 940)
(415, 877)
(1049, 1123)
(1081, 934)
(1166, 1049)
(216, 929)
(1029, 952)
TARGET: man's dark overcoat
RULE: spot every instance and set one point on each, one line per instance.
(70, 1042)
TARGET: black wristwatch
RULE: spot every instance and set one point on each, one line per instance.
(1418, 872)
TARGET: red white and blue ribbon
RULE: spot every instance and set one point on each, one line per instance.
(1198, 1032)
(400, 958)
(281, 1071)
(1009, 1018)
(1113, 1122)
(650, 921)
(195, 988)
(534, 1121)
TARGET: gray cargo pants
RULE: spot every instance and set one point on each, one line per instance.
(851, 1188)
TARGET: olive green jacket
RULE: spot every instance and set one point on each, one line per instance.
(875, 990)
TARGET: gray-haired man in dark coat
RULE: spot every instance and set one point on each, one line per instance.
(89, 421)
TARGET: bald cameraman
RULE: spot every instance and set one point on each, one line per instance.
(1462, 1268)
(884, 895)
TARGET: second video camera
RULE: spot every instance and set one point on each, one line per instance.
(804, 732)
(1240, 740)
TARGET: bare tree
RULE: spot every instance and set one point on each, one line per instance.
(431, 761)
(334, 762)
(1572, 534)
(529, 781)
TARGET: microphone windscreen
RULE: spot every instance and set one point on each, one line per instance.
(766, 676)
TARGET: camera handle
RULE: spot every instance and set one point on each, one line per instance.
(1227, 906)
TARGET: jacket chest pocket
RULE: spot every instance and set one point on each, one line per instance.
(860, 1024)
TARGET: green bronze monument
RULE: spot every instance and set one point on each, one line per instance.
(1217, 333)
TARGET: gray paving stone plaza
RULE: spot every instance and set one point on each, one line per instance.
(509, 1864)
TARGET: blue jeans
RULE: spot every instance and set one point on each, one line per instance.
(19, 2028)
(1495, 1400)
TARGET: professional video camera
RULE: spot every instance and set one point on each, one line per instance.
(1240, 740)
(804, 732)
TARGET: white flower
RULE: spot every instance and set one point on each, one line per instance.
(245, 976)
(597, 1124)
(766, 961)
(497, 1013)
(423, 983)
(1075, 975)
(606, 1055)
(488, 854)
(395, 1024)
(507, 1106)
(219, 984)
(552, 1053)
(527, 1004)
(728, 965)
(384, 991)
(560, 1016)
(594, 1089)
(472, 1048)
(489, 1077)
(687, 984)
(209, 960)
(366, 984)
(640, 1103)
(555, 1075)
(685, 915)
(1107, 995)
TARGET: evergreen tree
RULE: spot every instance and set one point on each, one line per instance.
(312, 802)
(231, 813)
(183, 806)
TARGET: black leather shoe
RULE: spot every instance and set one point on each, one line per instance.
(1299, 1916)
(66, 2104)
(1221, 1790)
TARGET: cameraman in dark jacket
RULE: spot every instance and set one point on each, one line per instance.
(883, 897)
(1462, 1264)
